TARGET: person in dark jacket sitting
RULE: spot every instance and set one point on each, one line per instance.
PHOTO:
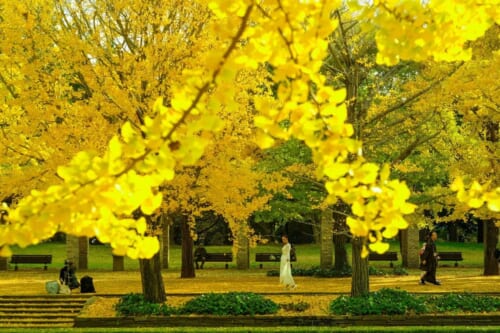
(200, 255)
(67, 275)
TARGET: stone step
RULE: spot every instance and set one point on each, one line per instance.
(4, 316)
(40, 310)
(37, 310)
(42, 305)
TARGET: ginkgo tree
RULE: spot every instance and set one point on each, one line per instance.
(100, 192)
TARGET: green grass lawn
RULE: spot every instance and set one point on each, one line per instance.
(100, 257)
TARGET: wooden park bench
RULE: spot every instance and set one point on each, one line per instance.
(387, 256)
(44, 259)
(215, 257)
(270, 257)
(451, 256)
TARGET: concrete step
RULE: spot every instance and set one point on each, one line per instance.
(40, 310)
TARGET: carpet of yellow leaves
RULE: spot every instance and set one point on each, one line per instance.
(109, 285)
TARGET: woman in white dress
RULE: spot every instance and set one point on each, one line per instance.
(286, 278)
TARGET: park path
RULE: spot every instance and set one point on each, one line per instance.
(32, 282)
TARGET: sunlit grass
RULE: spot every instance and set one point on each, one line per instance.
(100, 257)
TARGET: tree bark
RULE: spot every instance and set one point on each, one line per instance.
(153, 287)
(3, 263)
(340, 237)
(452, 232)
(480, 231)
(242, 250)
(340, 241)
(326, 255)
(165, 242)
(83, 252)
(360, 278)
(187, 264)
(403, 247)
(118, 263)
(490, 245)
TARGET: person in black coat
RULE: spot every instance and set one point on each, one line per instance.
(67, 275)
(429, 260)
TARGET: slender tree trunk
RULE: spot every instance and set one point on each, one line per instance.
(152, 280)
(165, 242)
(360, 278)
(3, 263)
(403, 247)
(490, 245)
(187, 265)
(326, 255)
(118, 263)
(340, 237)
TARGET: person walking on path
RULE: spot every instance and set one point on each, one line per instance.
(429, 260)
(286, 278)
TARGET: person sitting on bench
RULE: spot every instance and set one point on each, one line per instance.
(67, 275)
(200, 255)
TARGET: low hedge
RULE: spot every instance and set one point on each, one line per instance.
(393, 301)
(233, 303)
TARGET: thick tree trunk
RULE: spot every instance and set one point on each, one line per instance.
(360, 278)
(490, 245)
(326, 255)
(152, 280)
(243, 252)
(187, 264)
(340, 241)
(412, 248)
(452, 232)
(83, 253)
(480, 231)
(118, 263)
(340, 237)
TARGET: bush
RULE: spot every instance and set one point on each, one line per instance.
(136, 305)
(233, 303)
(385, 301)
(464, 302)
(399, 270)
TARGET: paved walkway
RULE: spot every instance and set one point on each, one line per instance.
(28, 281)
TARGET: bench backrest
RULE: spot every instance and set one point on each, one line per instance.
(31, 259)
(384, 256)
(219, 257)
(450, 255)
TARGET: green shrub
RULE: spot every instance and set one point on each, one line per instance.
(385, 301)
(399, 270)
(464, 302)
(136, 305)
(233, 303)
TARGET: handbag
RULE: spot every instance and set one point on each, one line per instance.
(64, 289)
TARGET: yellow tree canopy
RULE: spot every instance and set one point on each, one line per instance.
(99, 192)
